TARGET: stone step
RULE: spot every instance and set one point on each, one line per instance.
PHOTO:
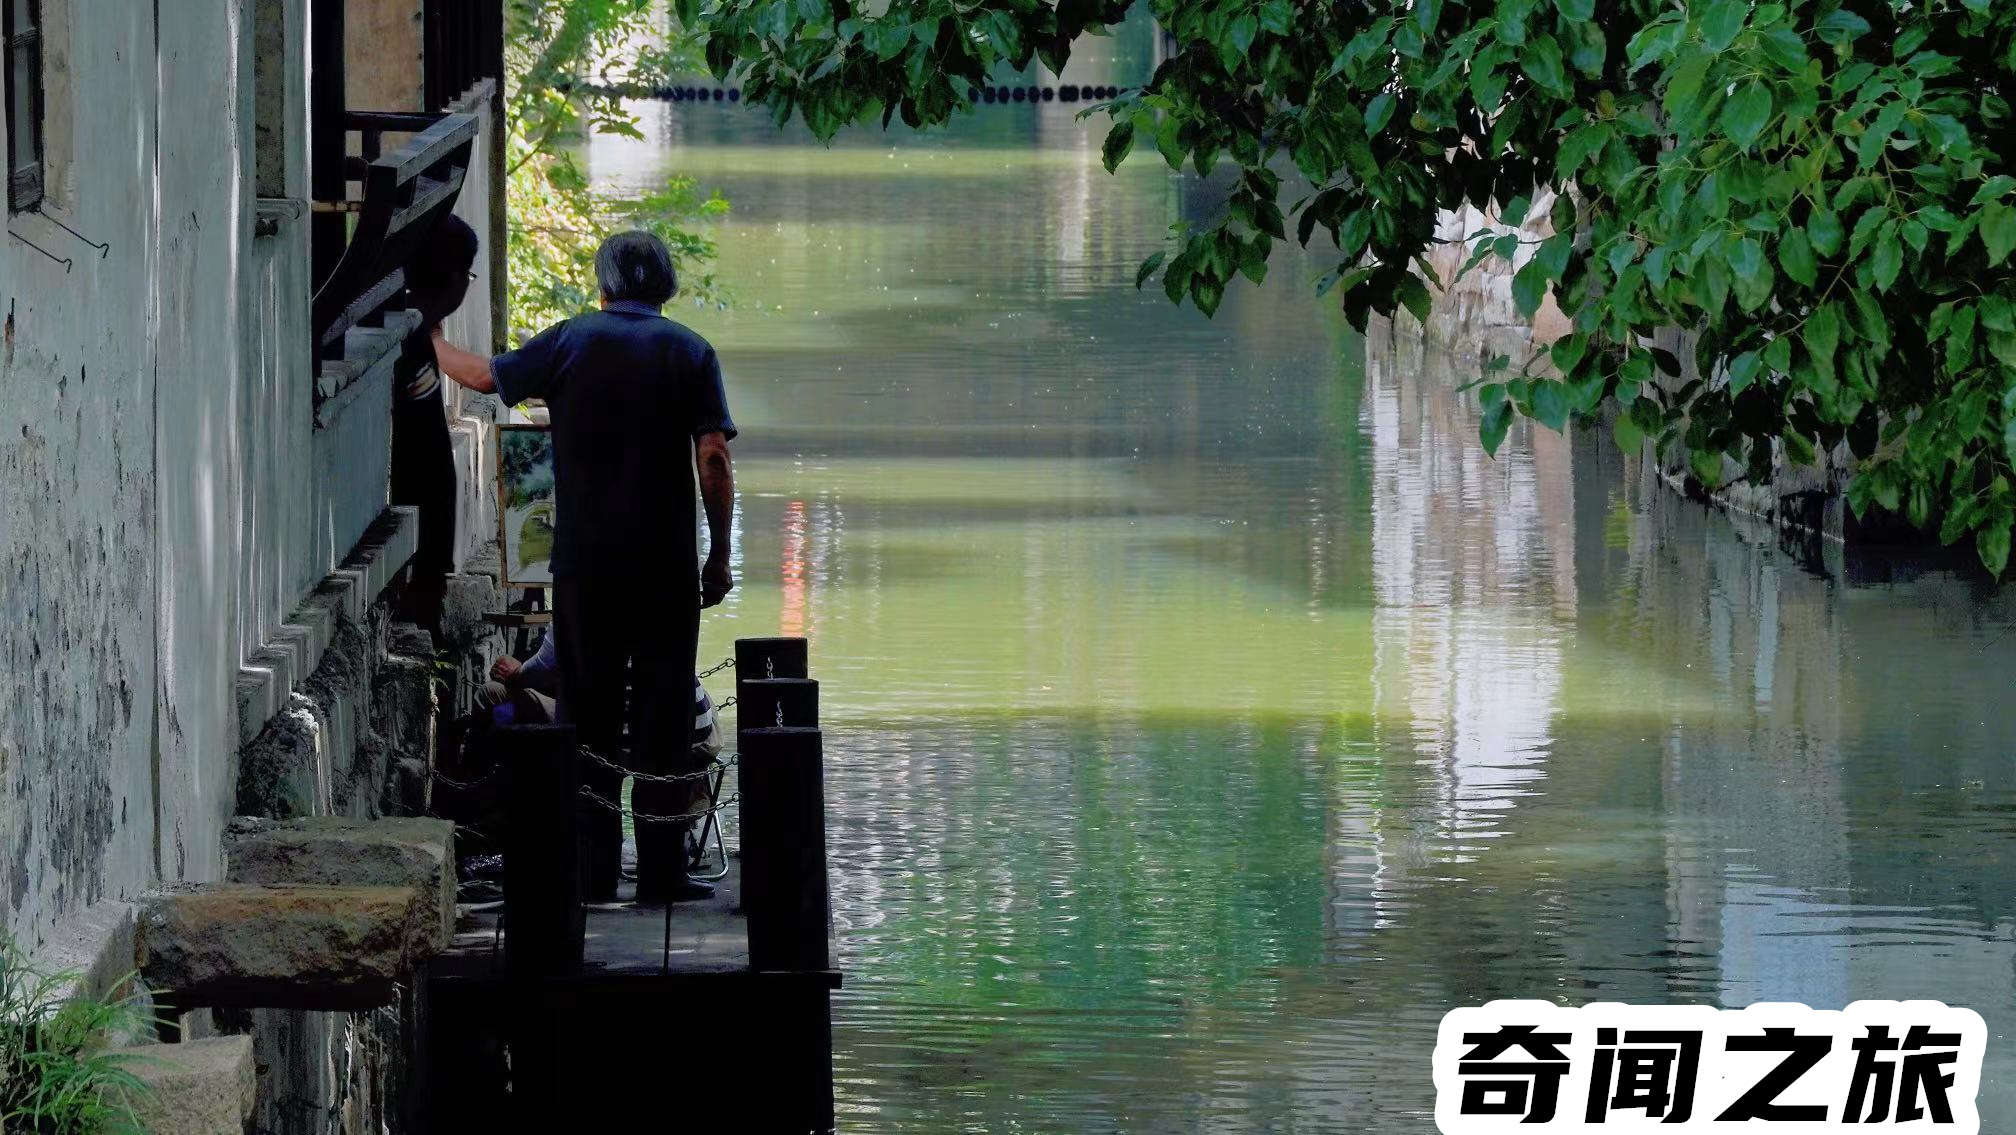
(341, 852)
(200, 1087)
(292, 947)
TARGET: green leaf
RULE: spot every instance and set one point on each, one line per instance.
(1991, 543)
(1553, 254)
(1997, 314)
(1795, 256)
(1119, 143)
(1529, 288)
(1998, 231)
(1722, 23)
(1550, 403)
(1542, 63)
(1567, 353)
(1743, 371)
(1629, 437)
(1841, 27)
(1994, 189)
(1147, 268)
(1685, 83)
(1822, 332)
(1706, 466)
(1378, 112)
(1579, 146)
(1754, 277)
(1960, 340)
(1414, 294)
(1747, 113)
(1496, 417)
(1887, 262)
(1656, 42)
(1797, 447)
(1784, 47)
(1576, 9)
(1824, 228)
(1777, 355)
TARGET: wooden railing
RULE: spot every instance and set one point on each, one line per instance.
(404, 192)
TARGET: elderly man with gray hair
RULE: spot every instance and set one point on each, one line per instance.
(623, 384)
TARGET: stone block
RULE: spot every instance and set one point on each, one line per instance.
(285, 771)
(305, 947)
(284, 665)
(403, 705)
(410, 640)
(393, 546)
(258, 700)
(96, 945)
(408, 789)
(466, 598)
(341, 592)
(338, 852)
(199, 1087)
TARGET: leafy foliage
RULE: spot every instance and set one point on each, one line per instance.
(566, 67)
(56, 1077)
(1821, 190)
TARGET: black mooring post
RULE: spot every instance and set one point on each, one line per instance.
(784, 848)
(770, 703)
(769, 658)
(544, 928)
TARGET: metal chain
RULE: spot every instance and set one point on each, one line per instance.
(609, 805)
(465, 785)
(713, 765)
(724, 664)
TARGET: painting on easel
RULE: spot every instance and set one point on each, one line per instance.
(525, 503)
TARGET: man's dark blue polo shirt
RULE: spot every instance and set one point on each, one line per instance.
(628, 390)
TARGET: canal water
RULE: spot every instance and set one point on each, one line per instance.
(1207, 714)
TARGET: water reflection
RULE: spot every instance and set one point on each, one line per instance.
(1208, 714)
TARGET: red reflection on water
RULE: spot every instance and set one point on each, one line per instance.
(791, 621)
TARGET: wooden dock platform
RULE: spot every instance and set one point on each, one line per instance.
(604, 1016)
(630, 1040)
(708, 936)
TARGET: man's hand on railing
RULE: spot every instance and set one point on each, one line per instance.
(466, 367)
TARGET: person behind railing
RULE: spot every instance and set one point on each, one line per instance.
(636, 402)
(527, 692)
(423, 457)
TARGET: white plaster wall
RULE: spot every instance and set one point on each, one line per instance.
(275, 397)
(78, 512)
(203, 225)
(161, 475)
(470, 415)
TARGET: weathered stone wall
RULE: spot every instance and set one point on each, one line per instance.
(354, 737)
(174, 521)
(79, 515)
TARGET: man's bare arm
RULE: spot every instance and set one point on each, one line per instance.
(466, 367)
(717, 494)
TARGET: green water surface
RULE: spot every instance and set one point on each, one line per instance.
(1207, 714)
